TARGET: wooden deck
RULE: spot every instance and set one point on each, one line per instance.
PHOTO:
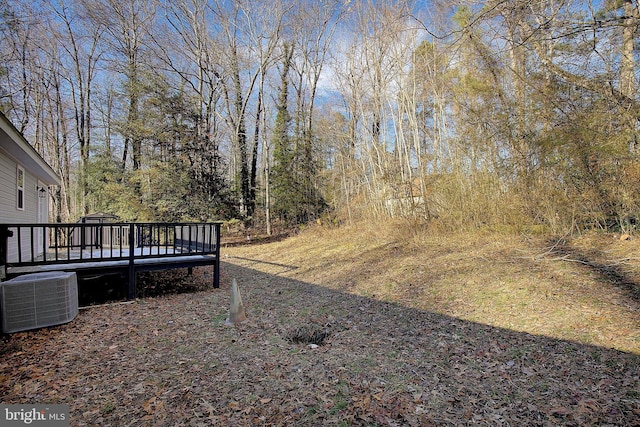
(103, 248)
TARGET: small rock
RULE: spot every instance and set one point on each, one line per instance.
(313, 346)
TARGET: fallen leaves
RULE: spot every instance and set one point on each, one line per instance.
(171, 361)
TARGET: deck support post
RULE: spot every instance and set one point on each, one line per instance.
(216, 262)
(131, 292)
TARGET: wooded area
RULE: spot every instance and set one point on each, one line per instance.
(458, 113)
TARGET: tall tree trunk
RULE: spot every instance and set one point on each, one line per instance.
(241, 138)
(63, 155)
(628, 62)
(254, 151)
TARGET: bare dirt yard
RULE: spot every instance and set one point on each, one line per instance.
(363, 326)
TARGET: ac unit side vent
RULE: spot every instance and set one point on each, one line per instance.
(38, 300)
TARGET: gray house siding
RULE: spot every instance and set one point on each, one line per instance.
(9, 212)
(7, 196)
(16, 152)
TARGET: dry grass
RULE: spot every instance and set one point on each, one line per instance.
(532, 284)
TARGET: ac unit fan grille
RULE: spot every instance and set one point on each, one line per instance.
(39, 300)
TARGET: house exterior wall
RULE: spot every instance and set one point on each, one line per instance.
(9, 212)
(16, 151)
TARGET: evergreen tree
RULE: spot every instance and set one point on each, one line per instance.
(284, 188)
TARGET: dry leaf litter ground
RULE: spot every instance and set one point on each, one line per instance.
(358, 328)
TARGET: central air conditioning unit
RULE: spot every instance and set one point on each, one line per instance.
(38, 300)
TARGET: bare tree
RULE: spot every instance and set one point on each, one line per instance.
(79, 42)
(19, 46)
(314, 27)
(127, 25)
(194, 56)
(249, 33)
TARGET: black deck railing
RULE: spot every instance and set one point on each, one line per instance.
(25, 245)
